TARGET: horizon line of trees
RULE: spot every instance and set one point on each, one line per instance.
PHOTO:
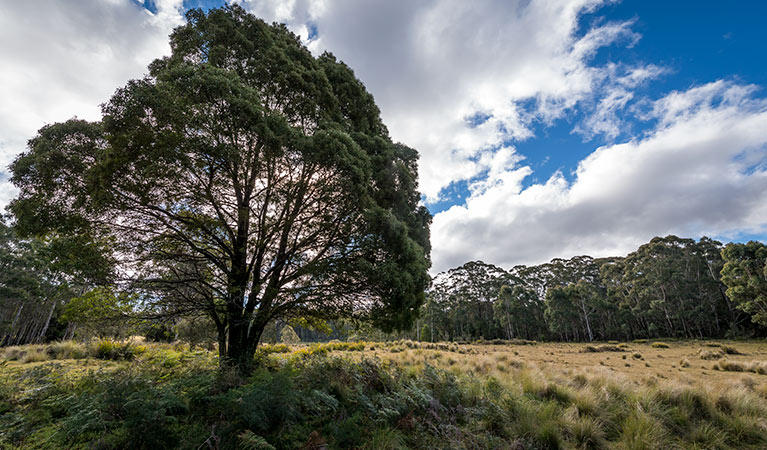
(670, 287)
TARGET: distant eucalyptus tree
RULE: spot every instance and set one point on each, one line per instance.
(745, 274)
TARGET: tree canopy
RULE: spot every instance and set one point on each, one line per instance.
(241, 178)
(745, 274)
(668, 287)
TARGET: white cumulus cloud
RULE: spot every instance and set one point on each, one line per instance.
(63, 59)
(701, 171)
(431, 65)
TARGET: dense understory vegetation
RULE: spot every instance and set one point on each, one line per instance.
(169, 397)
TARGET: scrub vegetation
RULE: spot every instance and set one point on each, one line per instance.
(383, 395)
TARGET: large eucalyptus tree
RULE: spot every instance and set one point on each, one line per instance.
(241, 178)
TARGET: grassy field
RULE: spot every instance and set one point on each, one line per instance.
(520, 395)
(687, 362)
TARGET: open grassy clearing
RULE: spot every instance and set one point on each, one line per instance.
(387, 395)
(688, 362)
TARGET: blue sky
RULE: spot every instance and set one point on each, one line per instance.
(696, 41)
(545, 128)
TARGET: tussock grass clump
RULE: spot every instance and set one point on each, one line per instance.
(730, 366)
(115, 350)
(586, 432)
(66, 350)
(102, 349)
(34, 355)
(313, 350)
(708, 355)
(386, 439)
(268, 349)
(659, 345)
(641, 431)
(17, 353)
(640, 341)
(504, 342)
(730, 350)
(602, 348)
(355, 346)
(758, 367)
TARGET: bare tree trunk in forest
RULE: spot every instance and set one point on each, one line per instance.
(41, 336)
(69, 333)
(431, 329)
(16, 319)
(586, 317)
(418, 330)
(221, 341)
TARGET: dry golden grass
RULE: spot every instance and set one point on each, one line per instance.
(638, 363)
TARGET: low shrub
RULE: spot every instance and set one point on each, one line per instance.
(730, 366)
(660, 345)
(268, 349)
(66, 350)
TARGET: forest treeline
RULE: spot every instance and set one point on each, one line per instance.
(669, 287)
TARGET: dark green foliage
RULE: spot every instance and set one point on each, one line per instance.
(669, 287)
(34, 287)
(462, 301)
(135, 412)
(745, 274)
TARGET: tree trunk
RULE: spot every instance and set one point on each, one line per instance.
(586, 317)
(221, 342)
(240, 348)
(41, 336)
